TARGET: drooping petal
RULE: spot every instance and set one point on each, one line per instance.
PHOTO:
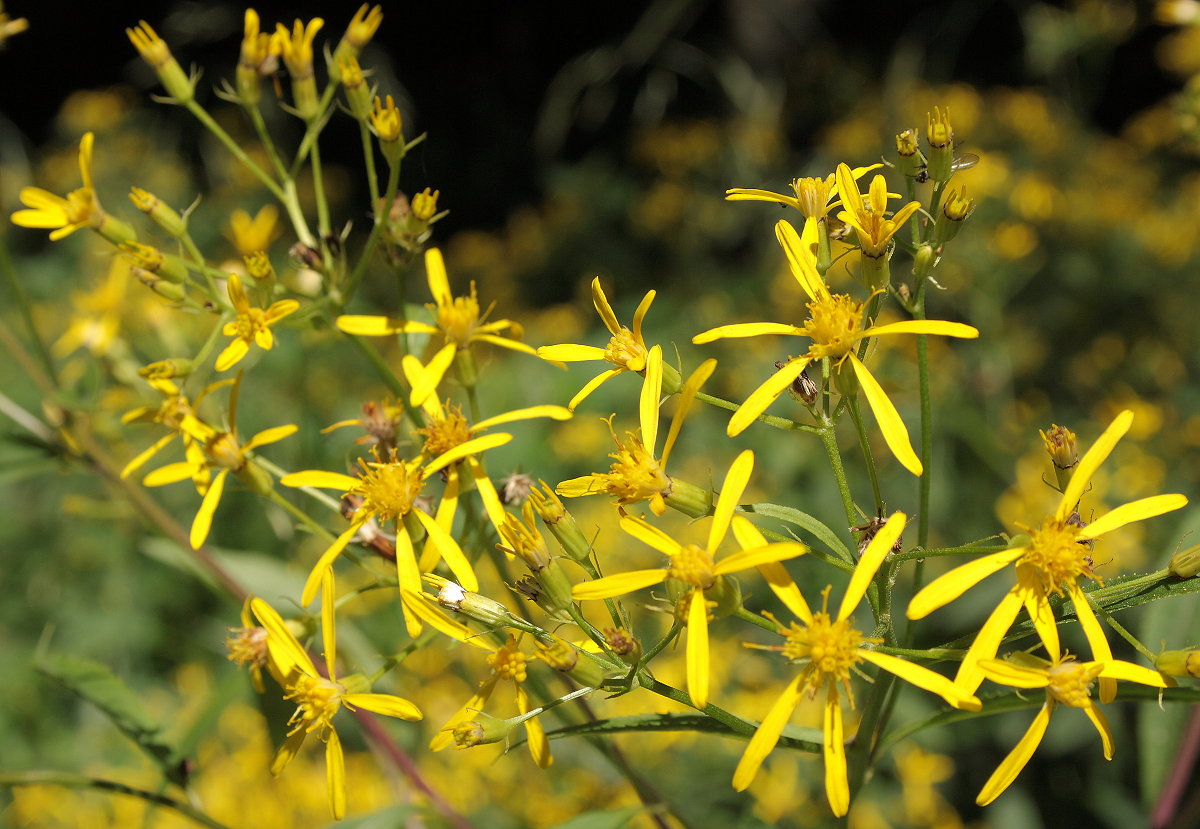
(1101, 652)
(837, 784)
(1012, 765)
(169, 474)
(487, 493)
(146, 455)
(1130, 672)
(758, 556)
(765, 395)
(385, 704)
(1014, 675)
(474, 446)
(335, 775)
(697, 649)
(749, 194)
(1039, 610)
(285, 651)
(940, 327)
(801, 261)
(328, 630)
(1090, 462)
(924, 678)
(505, 342)
(1102, 728)
(650, 535)
(208, 507)
(649, 398)
(1138, 510)
(593, 384)
(872, 557)
(272, 435)
(732, 488)
(767, 734)
(313, 583)
(539, 746)
(781, 584)
(320, 479)
(969, 676)
(452, 554)
(289, 749)
(232, 354)
(683, 405)
(445, 736)
(745, 329)
(617, 585)
(895, 434)
(952, 584)
(426, 609)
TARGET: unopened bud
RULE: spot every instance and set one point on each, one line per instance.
(956, 209)
(570, 660)
(160, 286)
(1178, 663)
(1186, 563)
(1063, 450)
(167, 369)
(940, 135)
(488, 612)
(155, 52)
(560, 522)
(912, 160)
(161, 213)
(622, 642)
(358, 93)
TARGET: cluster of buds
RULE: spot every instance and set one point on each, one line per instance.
(408, 223)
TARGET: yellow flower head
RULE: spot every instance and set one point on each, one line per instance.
(868, 214)
(361, 29)
(814, 197)
(10, 26)
(1052, 560)
(296, 46)
(157, 54)
(826, 648)
(64, 216)
(251, 326)
(386, 121)
(1067, 682)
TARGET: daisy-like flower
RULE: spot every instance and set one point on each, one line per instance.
(319, 698)
(252, 326)
(247, 645)
(626, 349)
(458, 320)
(453, 441)
(1052, 560)
(835, 326)
(252, 234)
(174, 410)
(1067, 682)
(827, 648)
(63, 216)
(868, 215)
(380, 421)
(213, 449)
(636, 474)
(465, 730)
(703, 581)
(814, 198)
(388, 488)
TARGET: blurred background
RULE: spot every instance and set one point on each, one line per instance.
(569, 143)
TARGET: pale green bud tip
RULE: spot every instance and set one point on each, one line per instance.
(487, 612)
(1186, 563)
(1178, 663)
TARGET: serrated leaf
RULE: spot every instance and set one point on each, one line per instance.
(602, 819)
(94, 682)
(805, 522)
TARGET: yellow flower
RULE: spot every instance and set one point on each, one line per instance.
(626, 349)
(695, 570)
(96, 320)
(458, 321)
(827, 649)
(359, 31)
(296, 46)
(1067, 682)
(386, 121)
(636, 474)
(173, 411)
(461, 730)
(10, 26)
(79, 209)
(389, 487)
(814, 198)
(868, 216)
(217, 450)
(1051, 561)
(319, 698)
(251, 235)
(251, 326)
(258, 58)
(157, 54)
(835, 325)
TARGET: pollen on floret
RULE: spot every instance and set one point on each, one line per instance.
(635, 475)
(317, 700)
(812, 194)
(1071, 681)
(223, 449)
(459, 317)
(508, 662)
(443, 435)
(1058, 555)
(692, 565)
(624, 350)
(247, 646)
(834, 324)
(388, 488)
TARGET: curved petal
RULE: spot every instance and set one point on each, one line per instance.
(147, 454)
(758, 556)
(594, 384)
(474, 446)
(745, 329)
(969, 675)
(924, 678)
(732, 488)
(425, 608)
(1014, 675)
(445, 736)
(432, 375)
(232, 354)
(280, 309)
(895, 434)
(765, 395)
(600, 301)
(801, 261)
(650, 535)
(579, 487)
(313, 582)
(617, 585)
(748, 194)
(289, 749)
(451, 553)
(487, 493)
(1090, 462)
(169, 474)
(335, 774)
(408, 579)
(872, 557)
(328, 625)
(767, 734)
(639, 315)
(505, 342)
(285, 651)
(837, 785)
(1102, 728)
(376, 326)
(539, 746)
(272, 435)
(208, 507)
(1128, 671)
(687, 396)
(385, 704)
(952, 584)
(649, 398)
(1094, 633)
(697, 649)
(1012, 765)
(1138, 510)
(529, 413)
(938, 327)
(567, 353)
(1040, 613)
(320, 479)
(435, 274)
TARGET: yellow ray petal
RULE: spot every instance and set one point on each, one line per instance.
(432, 375)
(800, 260)
(469, 711)
(425, 608)
(474, 446)
(683, 405)
(146, 455)
(232, 354)
(924, 678)
(952, 584)
(600, 301)
(385, 704)
(767, 734)
(435, 274)
(969, 676)
(1094, 633)
(748, 194)
(452, 554)
(1090, 462)
(539, 746)
(335, 775)
(648, 400)
(765, 395)
(617, 585)
(1128, 671)
(1102, 728)
(553, 412)
(328, 630)
(326, 561)
(208, 507)
(592, 385)
(579, 487)
(1011, 765)
(1012, 674)
(639, 315)
(939, 327)
(289, 749)
(375, 326)
(650, 535)
(872, 557)
(732, 488)
(320, 479)
(1039, 610)
(505, 342)
(745, 329)
(169, 474)
(408, 579)
(895, 434)
(1138, 510)
(567, 353)
(837, 785)
(487, 493)
(697, 649)
(272, 435)
(758, 556)
(286, 652)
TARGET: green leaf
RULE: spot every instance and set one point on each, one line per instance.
(794, 736)
(602, 819)
(94, 682)
(392, 817)
(806, 522)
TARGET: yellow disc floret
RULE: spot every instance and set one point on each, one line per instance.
(834, 324)
(1058, 555)
(389, 489)
(626, 351)
(812, 195)
(459, 317)
(317, 700)
(443, 435)
(692, 565)
(636, 475)
(508, 662)
(1071, 681)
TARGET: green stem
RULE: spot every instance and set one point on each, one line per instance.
(829, 441)
(865, 445)
(381, 207)
(1121, 631)
(264, 137)
(301, 516)
(676, 627)
(920, 553)
(770, 420)
(754, 619)
(26, 308)
(318, 179)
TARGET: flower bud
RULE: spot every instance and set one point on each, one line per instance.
(1185, 564)
(940, 135)
(691, 500)
(1178, 663)
(956, 208)
(488, 612)
(912, 160)
(1063, 450)
(155, 52)
(161, 213)
(358, 94)
(167, 369)
(559, 521)
(259, 57)
(566, 658)
(161, 264)
(160, 286)
(622, 642)
(487, 729)
(389, 128)
(359, 32)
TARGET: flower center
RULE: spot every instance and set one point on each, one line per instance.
(692, 565)
(443, 435)
(317, 700)
(247, 646)
(459, 317)
(636, 475)
(830, 648)
(508, 662)
(834, 325)
(249, 322)
(223, 450)
(625, 351)
(389, 489)
(1071, 682)
(1057, 555)
(813, 195)
(79, 205)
